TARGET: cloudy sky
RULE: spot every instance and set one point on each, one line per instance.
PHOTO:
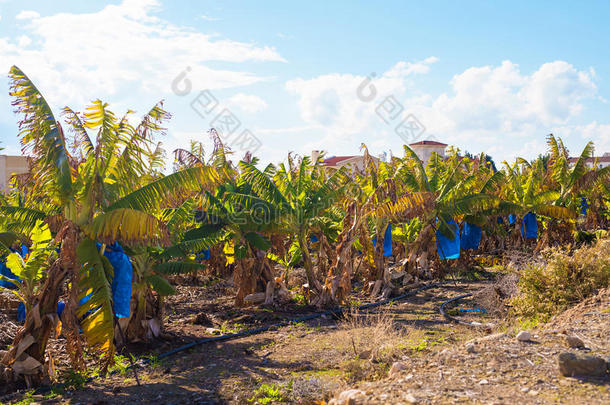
(483, 76)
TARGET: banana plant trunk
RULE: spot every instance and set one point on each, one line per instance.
(379, 257)
(314, 284)
(421, 244)
(27, 355)
(249, 273)
(338, 282)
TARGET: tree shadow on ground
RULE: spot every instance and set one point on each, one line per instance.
(207, 374)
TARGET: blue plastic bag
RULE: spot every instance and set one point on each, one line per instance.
(313, 238)
(6, 272)
(449, 248)
(584, 204)
(387, 241)
(121, 282)
(470, 236)
(529, 226)
(500, 220)
(512, 218)
(21, 313)
(204, 254)
(60, 308)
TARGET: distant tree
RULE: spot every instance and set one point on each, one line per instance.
(544, 158)
(488, 159)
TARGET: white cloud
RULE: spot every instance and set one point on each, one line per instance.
(403, 69)
(489, 108)
(24, 41)
(248, 103)
(332, 102)
(27, 15)
(209, 18)
(125, 48)
(282, 35)
(503, 99)
(598, 133)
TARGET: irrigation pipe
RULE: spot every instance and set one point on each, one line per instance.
(333, 312)
(454, 319)
(230, 336)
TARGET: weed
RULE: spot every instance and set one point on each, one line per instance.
(423, 345)
(527, 323)
(27, 398)
(299, 299)
(309, 389)
(564, 280)
(73, 380)
(52, 394)
(235, 328)
(269, 393)
(121, 364)
(153, 361)
(354, 303)
(372, 342)
(318, 373)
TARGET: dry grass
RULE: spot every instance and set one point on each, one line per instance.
(565, 279)
(362, 347)
(372, 342)
(494, 297)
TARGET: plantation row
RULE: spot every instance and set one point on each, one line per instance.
(92, 233)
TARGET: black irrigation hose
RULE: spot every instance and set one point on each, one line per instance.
(333, 312)
(230, 336)
(454, 319)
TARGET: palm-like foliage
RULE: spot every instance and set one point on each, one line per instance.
(301, 193)
(113, 158)
(108, 185)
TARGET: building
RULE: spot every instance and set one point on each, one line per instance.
(602, 161)
(10, 165)
(425, 149)
(352, 162)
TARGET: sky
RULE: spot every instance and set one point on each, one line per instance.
(277, 76)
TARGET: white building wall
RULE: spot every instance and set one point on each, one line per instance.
(424, 152)
(10, 165)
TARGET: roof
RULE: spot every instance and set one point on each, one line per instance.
(591, 160)
(333, 160)
(431, 143)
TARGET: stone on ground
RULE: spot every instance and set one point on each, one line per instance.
(349, 397)
(575, 364)
(396, 368)
(574, 342)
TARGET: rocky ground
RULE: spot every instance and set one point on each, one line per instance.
(499, 368)
(404, 353)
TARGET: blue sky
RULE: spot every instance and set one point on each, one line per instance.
(484, 76)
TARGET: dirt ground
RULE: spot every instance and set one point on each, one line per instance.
(313, 361)
(502, 370)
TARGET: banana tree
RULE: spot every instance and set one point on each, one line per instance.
(150, 286)
(529, 190)
(444, 192)
(300, 192)
(577, 181)
(29, 270)
(93, 190)
(242, 222)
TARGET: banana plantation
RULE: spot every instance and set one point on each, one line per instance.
(99, 236)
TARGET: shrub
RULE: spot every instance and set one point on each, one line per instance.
(267, 394)
(562, 281)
